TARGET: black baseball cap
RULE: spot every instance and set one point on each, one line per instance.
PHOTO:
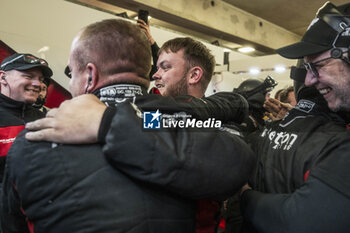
(323, 31)
(21, 61)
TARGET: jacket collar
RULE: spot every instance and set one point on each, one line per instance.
(11, 103)
(118, 93)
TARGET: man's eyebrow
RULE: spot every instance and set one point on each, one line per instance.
(161, 63)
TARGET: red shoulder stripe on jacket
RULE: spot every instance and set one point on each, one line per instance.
(7, 136)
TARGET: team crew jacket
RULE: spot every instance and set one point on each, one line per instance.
(14, 115)
(321, 204)
(288, 149)
(288, 152)
(74, 188)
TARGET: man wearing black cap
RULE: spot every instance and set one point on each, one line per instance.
(322, 202)
(325, 49)
(20, 77)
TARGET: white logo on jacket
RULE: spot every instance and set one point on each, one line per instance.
(280, 140)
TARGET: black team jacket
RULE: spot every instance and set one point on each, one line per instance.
(292, 190)
(13, 116)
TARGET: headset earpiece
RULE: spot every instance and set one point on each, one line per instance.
(336, 53)
(90, 79)
(89, 82)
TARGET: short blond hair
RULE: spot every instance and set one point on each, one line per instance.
(114, 46)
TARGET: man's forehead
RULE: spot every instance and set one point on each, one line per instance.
(32, 71)
(168, 55)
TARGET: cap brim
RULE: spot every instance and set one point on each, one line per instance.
(47, 72)
(300, 50)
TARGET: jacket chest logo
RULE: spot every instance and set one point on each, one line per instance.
(280, 140)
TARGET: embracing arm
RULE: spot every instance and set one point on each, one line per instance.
(224, 106)
(67, 125)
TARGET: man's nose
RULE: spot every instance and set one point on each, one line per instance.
(36, 82)
(156, 75)
(310, 79)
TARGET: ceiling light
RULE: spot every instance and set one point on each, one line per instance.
(280, 69)
(44, 49)
(246, 49)
(254, 71)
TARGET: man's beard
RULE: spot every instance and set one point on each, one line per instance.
(177, 89)
(39, 102)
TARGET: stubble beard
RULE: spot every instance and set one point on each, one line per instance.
(177, 89)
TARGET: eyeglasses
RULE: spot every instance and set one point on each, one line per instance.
(312, 66)
(68, 72)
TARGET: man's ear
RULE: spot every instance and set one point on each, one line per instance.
(92, 77)
(3, 80)
(196, 74)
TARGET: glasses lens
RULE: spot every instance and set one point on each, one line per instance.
(311, 68)
(67, 72)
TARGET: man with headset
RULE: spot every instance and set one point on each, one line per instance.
(322, 203)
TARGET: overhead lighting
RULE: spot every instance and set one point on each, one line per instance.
(246, 49)
(280, 69)
(44, 49)
(254, 71)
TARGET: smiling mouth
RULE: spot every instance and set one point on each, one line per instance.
(33, 91)
(325, 91)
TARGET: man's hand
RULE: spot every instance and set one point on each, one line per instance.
(146, 29)
(76, 121)
(277, 109)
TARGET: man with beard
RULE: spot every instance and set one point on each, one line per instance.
(40, 102)
(320, 203)
(185, 67)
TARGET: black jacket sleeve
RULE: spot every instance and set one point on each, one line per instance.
(224, 106)
(196, 164)
(315, 207)
(155, 50)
